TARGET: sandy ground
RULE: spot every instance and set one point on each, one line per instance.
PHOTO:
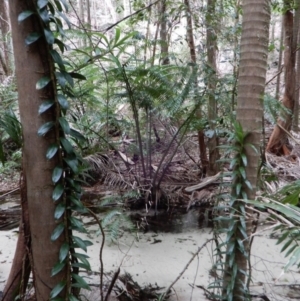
(158, 258)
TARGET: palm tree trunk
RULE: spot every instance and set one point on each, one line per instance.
(251, 85)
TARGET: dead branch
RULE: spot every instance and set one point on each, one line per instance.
(205, 183)
(185, 268)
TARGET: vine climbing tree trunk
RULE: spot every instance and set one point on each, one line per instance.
(31, 64)
(278, 141)
(251, 85)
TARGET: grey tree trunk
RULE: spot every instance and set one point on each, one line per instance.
(211, 48)
(164, 43)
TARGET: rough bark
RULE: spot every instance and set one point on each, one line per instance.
(280, 59)
(32, 62)
(4, 25)
(278, 141)
(296, 41)
(164, 43)
(251, 85)
(211, 45)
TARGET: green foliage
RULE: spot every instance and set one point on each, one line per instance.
(115, 222)
(274, 109)
(11, 126)
(236, 230)
(288, 230)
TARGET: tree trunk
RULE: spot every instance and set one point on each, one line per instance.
(235, 55)
(164, 43)
(211, 46)
(32, 62)
(251, 85)
(4, 25)
(280, 59)
(19, 273)
(278, 141)
(296, 41)
(191, 44)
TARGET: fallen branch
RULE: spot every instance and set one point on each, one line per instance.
(184, 269)
(206, 182)
(8, 193)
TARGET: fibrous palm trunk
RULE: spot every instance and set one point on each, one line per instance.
(251, 85)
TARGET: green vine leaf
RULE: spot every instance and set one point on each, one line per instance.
(77, 135)
(72, 298)
(64, 251)
(57, 289)
(63, 16)
(59, 210)
(77, 203)
(80, 282)
(64, 125)
(77, 75)
(77, 224)
(58, 5)
(45, 128)
(51, 151)
(79, 242)
(57, 231)
(47, 104)
(42, 3)
(244, 158)
(238, 189)
(81, 265)
(57, 268)
(32, 37)
(243, 172)
(24, 15)
(63, 78)
(44, 15)
(57, 192)
(83, 259)
(248, 184)
(75, 184)
(56, 174)
(67, 146)
(64, 4)
(49, 36)
(72, 163)
(63, 101)
(57, 58)
(61, 45)
(42, 82)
